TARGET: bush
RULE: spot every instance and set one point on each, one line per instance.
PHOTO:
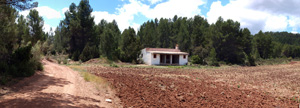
(75, 55)
(89, 52)
(37, 53)
(39, 66)
(25, 60)
(212, 58)
(65, 61)
(272, 61)
(113, 65)
(250, 61)
(195, 59)
(23, 64)
(4, 68)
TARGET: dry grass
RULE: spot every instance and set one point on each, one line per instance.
(100, 83)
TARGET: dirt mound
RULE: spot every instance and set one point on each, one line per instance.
(139, 87)
(98, 61)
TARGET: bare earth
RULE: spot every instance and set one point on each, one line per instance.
(57, 86)
(273, 86)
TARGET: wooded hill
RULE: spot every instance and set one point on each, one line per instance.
(77, 35)
(207, 43)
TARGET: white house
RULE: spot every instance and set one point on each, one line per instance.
(164, 56)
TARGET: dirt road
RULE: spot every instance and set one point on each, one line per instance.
(56, 86)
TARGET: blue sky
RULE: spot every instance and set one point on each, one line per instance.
(266, 15)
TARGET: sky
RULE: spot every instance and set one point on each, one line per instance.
(265, 15)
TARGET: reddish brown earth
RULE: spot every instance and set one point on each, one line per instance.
(261, 86)
(56, 86)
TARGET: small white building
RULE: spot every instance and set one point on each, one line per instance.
(164, 56)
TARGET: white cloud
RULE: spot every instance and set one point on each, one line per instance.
(47, 27)
(45, 11)
(154, 1)
(125, 14)
(185, 8)
(276, 23)
(294, 22)
(266, 15)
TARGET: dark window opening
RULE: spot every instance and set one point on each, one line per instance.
(175, 59)
(183, 56)
(154, 56)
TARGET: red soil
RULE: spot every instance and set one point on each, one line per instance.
(151, 87)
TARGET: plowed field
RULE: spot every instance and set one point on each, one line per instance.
(261, 86)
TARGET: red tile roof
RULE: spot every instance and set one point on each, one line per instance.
(163, 49)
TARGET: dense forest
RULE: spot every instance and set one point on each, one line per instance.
(23, 40)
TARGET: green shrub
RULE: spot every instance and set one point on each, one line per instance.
(39, 66)
(58, 61)
(22, 65)
(88, 53)
(113, 65)
(75, 55)
(212, 58)
(250, 61)
(272, 61)
(65, 61)
(4, 68)
(195, 59)
(25, 60)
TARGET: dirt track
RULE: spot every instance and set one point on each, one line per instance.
(57, 86)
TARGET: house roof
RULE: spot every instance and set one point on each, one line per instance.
(165, 51)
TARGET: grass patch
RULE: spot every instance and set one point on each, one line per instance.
(273, 61)
(92, 78)
(100, 83)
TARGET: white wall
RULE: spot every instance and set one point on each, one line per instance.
(183, 61)
(146, 57)
(155, 61)
(149, 59)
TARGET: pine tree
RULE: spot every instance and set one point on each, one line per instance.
(129, 45)
(35, 23)
(264, 45)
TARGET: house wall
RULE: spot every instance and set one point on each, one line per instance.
(183, 61)
(149, 59)
(146, 57)
(155, 61)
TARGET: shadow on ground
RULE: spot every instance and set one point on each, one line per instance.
(48, 100)
(32, 87)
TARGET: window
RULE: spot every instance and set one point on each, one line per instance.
(141, 55)
(184, 56)
(154, 56)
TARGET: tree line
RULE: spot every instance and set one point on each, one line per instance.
(82, 39)
(225, 41)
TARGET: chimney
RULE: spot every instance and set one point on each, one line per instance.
(176, 47)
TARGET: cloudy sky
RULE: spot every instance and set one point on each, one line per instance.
(265, 15)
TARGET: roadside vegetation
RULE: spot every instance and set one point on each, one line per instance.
(22, 40)
(99, 82)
